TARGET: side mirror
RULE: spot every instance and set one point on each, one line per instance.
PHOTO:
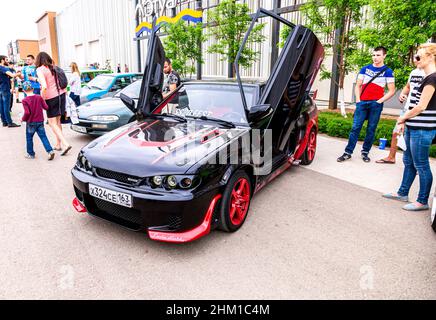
(156, 82)
(129, 102)
(259, 112)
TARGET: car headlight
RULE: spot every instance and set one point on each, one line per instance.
(174, 182)
(104, 118)
(84, 163)
(158, 180)
(186, 183)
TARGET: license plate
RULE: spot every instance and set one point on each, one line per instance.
(119, 198)
(79, 129)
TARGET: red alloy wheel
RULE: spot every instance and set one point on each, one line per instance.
(311, 147)
(240, 201)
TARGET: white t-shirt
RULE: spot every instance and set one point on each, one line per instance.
(75, 84)
(415, 79)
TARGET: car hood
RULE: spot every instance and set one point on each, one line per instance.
(158, 147)
(105, 106)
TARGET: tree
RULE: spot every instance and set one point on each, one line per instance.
(229, 22)
(400, 26)
(335, 19)
(182, 46)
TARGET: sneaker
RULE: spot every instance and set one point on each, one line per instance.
(5, 124)
(14, 125)
(344, 157)
(365, 158)
(29, 157)
(51, 156)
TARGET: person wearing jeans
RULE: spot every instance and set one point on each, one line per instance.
(365, 110)
(370, 96)
(419, 125)
(5, 93)
(416, 160)
(33, 106)
(38, 128)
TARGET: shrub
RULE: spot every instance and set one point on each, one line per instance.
(334, 125)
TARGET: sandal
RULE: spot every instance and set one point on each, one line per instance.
(64, 153)
(384, 161)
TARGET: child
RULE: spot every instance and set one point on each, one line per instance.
(34, 117)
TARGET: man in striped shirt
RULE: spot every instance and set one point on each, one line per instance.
(409, 94)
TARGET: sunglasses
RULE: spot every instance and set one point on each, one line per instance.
(417, 58)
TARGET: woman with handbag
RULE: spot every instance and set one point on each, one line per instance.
(55, 97)
(75, 84)
(419, 125)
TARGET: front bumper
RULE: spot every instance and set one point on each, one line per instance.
(96, 128)
(177, 217)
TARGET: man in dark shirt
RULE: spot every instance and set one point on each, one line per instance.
(172, 79)
(5, 93)
(171, 83)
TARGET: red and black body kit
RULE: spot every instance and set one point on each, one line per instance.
(183, 168)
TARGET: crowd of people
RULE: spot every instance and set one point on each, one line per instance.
(43, 90)
(417, 122)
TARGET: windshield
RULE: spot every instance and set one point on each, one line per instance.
(101, 82)
(219, 101)
(131, 91)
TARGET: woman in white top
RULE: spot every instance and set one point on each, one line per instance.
(75, 84)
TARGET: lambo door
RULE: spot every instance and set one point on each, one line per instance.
(151, 96)
(287, 91)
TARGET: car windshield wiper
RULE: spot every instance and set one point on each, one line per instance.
(168, 115)
(220, 121)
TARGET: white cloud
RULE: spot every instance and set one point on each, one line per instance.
(19, 23)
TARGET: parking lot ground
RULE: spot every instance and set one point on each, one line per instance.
(310, 235)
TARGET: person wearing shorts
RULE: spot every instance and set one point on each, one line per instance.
(55, 97)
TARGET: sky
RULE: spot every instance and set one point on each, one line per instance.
(20, 22)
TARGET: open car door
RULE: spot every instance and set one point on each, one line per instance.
(150, 95)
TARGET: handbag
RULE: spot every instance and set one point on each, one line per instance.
(372, 80)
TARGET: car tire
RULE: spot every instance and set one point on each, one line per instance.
(310, 152)
(233, 211)
(433, 216)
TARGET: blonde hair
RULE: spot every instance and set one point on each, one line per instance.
(75, 68)
(429, 48)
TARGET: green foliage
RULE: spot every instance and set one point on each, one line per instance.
(325, 17)
(230, 21)
(182, 46)
(334, 125)
(400, 26)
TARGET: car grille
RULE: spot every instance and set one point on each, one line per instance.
(125, 178)
(127, 214)
(174, 222)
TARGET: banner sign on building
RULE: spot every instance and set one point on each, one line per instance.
(146, 8)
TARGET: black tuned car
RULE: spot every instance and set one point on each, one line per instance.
(193, 162)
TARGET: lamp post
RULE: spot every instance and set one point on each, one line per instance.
(199, 6)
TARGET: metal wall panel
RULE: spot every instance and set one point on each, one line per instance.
(111, 23)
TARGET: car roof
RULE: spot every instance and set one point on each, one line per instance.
(250, 82)
(94, 70)
(120, 74)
